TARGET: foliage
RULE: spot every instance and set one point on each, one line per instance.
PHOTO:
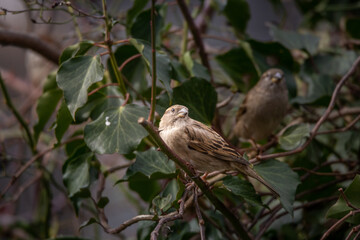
(91, 105)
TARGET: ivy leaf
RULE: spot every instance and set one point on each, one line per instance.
(161, 204)
(136, 9)
(77, 49)
(294, 40)
(294, 136)
(103, 202)
(88, 222)
(202, 103)
(238, 14)
(75, 76)
(243, 189)
(163, 64)
(46, 105)
(195, 69)
(153, 164)
(63, 121)
(282, 178)
(116, 130)
(340, 208)
(77, 172)
(239, 64)
(141, 29)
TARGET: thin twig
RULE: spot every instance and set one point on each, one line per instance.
(101, 87)
(347, 200)
(128, 60)
(117, 168)
(338, 223)
(153, 63)
(22, 122)
(30, 162)
(199, 216)
(197, 36)
(344, 129)
(353, 230)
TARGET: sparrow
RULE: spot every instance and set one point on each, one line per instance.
(201, 146)
(263, 108)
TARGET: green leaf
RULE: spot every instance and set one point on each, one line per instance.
(46, 104)
(352, 25)
(282, 178)
(163, 64)
(153, 164)
(162, 204)
(76, 173)
(294, 136)
(340, 208)
(77, 49)
(195, 69)
(88, 222)
(243, 189)
(238, 14)
(239, 65)
(199, 96)
(75, 76)
(141, 29)
(136, 9)
(116, 130)
(319, 92)
(103, 202)
(63, 121)
(294, 40)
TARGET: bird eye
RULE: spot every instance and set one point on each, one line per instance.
(173, 110)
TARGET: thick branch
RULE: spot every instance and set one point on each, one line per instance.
(27, 41)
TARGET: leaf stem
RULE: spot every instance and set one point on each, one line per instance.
(153, 57)
(190, 171)
(17, 115)
(109, 44)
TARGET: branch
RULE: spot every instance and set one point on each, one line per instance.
(326, 114)
(344, 129)
(153, 65)
(196, 34)
(32, 42)
(199, 216)
(190, 171)
(17, 115)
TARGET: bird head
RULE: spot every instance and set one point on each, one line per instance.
(173, 115)
(272, 79)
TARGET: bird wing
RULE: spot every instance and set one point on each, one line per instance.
(206, 141)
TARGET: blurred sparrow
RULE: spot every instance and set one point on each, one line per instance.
(263, 108)
(200, 145)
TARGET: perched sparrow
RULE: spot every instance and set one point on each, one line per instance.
(263, 108)
(199, 144)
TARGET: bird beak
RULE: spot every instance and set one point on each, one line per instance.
(182, 113)
(277, 77)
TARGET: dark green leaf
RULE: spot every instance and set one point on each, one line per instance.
(282, 178)
(294, 136)
(63, 121)
(152, 164)
(140, 29)
(88, 222)
(116, 130)
(199, 96)
(76, 172)
(163, 65)
(243, 189)
(340, 208)
(46, 104)
(239, 65)
(195, 69)
(103, 202)
(179, 73)
(75, 76)
(77, 49)
(162, 204)
(137, 7)
(147, 189)
(294, 40)
(352, 26)
(319, 91)
(238, 14)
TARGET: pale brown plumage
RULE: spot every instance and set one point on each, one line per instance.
(263, 108)
(199, 144)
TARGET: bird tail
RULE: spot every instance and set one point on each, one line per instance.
(251, 173)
